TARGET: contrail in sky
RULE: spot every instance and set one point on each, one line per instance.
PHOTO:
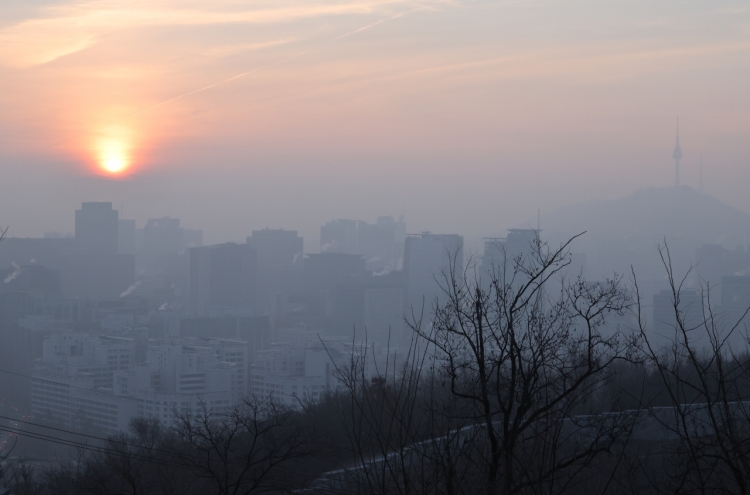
(362, 29)
(376, 23)
(243, 74)
(217, 84)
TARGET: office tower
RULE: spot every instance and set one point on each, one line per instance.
(372, 304)
(339, 236)
(163, 236)
(381, 243)
(222, 277)
(95, 270)
(126, 236)
(321, 276)
(502, 252)
(97, 228)
(428, 260)
(280, 257)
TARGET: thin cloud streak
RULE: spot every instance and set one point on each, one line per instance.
(364, 28)
(360, 29)
(607, 63)
(229, 50)
(71, 29)
(210, 86)
(279, 62)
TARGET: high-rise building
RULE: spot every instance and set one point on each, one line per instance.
(96, 270)
(428, 260)
(381, 243)
(28, 250)
(339, 236)
(325, 271)
(372, 304)
(126, 236)
(280, 259)
(97, 228)
(92, 265)
(222, 277)
(163, 236)
(33, 278)
(96, 276)
(502, 253)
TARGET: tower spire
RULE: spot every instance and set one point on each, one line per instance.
(677, 154)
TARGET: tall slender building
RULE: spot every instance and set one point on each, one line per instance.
(677, 154)
(222, 277)
(428, 259)
(97, 228)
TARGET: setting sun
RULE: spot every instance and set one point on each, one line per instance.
(113, 150)
(114, 162)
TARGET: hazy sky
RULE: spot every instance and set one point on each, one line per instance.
(466, 116)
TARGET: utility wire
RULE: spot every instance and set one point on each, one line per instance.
(111, 440)
(85, 446)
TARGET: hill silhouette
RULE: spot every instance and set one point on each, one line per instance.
(624, 232)
(674, 213)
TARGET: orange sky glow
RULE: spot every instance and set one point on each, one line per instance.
(540, 93)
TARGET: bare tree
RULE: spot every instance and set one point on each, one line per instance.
(254, 448)
(141, 462)
(705, 393)
(525, 360)
(400, 438)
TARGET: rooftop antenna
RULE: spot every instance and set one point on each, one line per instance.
(677, 154)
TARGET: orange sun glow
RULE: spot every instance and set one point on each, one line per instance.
(113, 149)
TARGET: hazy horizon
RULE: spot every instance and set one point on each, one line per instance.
(234, 117)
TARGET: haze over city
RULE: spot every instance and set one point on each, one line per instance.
(374, 247)
(357, 109)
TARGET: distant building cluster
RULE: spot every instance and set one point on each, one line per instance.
(116, 321)
(85, 381)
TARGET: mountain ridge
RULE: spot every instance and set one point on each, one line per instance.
(653, 214)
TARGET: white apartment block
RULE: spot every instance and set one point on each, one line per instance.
(295, 374)
(85, 380)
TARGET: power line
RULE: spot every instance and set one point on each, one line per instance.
(322, 477)
(85, 446)
(111, 440)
